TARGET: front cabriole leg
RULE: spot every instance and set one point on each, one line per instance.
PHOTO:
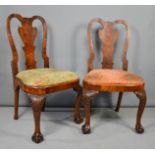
(142, 101)
(86, 127)
(87, 100)
(37, 105)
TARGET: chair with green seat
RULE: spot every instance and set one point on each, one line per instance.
(38, 82)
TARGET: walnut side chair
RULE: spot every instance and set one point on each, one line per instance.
(38, 82)
(108, 79)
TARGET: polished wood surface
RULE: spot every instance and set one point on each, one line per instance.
(108, 36)
(112, 80)
(108, 79)
(28, 34)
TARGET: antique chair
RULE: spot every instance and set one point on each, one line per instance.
(36, 83)
(108, 79)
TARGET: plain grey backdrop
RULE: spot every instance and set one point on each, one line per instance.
(68, 48)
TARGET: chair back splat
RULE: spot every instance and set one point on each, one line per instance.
(108, 36)
(28, 34)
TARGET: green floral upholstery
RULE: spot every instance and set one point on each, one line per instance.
(44, 77)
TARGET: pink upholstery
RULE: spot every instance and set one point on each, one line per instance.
(112, 77)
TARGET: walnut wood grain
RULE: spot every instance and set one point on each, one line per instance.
(37, 104)
(108, 35)
(108, 79)
(77, 116)
(142, 101)
(87, 106)
(28, 34)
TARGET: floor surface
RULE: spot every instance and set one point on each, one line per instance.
(109, 129)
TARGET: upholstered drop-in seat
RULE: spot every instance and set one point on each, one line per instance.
(44, 77)
(112, 80)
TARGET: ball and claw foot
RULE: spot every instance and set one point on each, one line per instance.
(78, 120)
(86, 129)
(37, 138)
(139, 129)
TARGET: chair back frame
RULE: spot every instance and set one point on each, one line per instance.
(28, 35)
(108, 35)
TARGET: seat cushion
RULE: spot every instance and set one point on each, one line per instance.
(106, 78)
(44, 77)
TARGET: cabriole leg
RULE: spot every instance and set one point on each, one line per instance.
(37, 104)
(86, 127)
(142, 101)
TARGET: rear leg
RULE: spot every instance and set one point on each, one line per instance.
(119, 101)
(77, 116)
(16, 102)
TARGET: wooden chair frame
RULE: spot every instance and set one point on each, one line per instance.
(37, 95)
(108, 36)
